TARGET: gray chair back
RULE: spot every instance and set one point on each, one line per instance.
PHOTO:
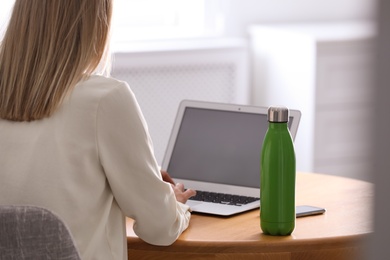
(29, 232)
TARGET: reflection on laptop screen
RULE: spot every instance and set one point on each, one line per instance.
(219, 146)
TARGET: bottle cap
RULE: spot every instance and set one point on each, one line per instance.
(278, 114)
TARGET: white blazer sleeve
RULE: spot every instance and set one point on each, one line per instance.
(126, 154)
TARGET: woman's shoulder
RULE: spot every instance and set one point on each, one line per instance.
(101, 82)
(96, 87)
(91, 91)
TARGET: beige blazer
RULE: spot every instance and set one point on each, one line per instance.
(92, 163)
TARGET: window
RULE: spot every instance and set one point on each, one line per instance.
(5, 9)
(154, 19)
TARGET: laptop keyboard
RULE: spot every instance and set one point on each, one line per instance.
(223, 198)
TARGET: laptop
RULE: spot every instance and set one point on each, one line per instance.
(215, 149)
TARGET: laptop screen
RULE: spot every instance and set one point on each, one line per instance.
(219, 147)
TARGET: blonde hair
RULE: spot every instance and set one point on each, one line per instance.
(49, 46)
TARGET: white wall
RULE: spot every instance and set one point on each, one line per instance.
(241, 13)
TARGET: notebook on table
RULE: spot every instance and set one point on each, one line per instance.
(215, 148)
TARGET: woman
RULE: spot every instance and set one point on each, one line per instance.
(74, 142)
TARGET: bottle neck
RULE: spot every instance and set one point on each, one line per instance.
(278, 125)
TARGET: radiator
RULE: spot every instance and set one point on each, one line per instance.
(162, 77)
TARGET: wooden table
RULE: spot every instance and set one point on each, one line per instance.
(340, 233)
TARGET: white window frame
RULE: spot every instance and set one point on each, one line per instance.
(168, 19)
(157, 19)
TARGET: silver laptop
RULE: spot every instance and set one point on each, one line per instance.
(215, 149)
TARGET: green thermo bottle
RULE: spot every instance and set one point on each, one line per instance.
(277, 191)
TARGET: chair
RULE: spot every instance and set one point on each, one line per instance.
(29, 232)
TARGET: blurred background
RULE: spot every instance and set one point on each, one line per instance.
(315, 56)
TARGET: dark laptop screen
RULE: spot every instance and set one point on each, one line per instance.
(219, 147)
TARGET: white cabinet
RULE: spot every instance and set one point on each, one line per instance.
(326, 71)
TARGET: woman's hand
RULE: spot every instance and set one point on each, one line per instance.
(166, 177)
(181, 194)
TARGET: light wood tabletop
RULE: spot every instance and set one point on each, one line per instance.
(340, 233)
